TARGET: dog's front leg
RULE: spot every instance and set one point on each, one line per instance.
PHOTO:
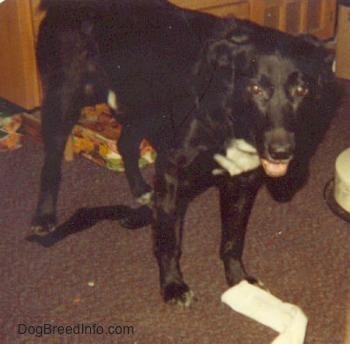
(128, 145)
(169, 213)
(236, 201)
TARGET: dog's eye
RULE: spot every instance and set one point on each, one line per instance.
(301, 91)
(256, 90)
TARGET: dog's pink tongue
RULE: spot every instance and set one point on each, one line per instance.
(274, 169)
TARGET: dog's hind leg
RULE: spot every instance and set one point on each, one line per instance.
(236, 201)
(60, 111)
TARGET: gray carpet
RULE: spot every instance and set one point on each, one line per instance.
(107, 276)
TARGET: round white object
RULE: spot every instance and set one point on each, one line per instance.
(342, 180)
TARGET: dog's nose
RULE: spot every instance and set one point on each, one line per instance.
(279, 151)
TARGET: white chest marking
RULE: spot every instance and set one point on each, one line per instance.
(240, 157)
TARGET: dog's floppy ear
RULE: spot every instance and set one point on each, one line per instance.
(216, 66)
(224, 51)
(239, 37)
(220, 53)
(321, 48)
(319, 52)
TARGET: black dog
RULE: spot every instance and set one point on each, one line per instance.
(221, 100)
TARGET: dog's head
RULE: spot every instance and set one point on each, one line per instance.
(279, 84)
(270, 89)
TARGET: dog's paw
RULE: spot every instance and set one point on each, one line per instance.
(178, 294)
(145, 198)
(43, 225)
(234, 270)
(254, 281)
(251, 280)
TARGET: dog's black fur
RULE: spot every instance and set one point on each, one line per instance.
(190, 83)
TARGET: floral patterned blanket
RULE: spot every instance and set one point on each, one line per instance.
(10, 123)
(95, 137)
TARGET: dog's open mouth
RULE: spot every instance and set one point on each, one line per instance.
(275, 168)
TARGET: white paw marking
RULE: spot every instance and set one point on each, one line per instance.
(145, 198)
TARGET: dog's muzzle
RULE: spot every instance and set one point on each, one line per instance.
(275, 168)
(279, 149)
